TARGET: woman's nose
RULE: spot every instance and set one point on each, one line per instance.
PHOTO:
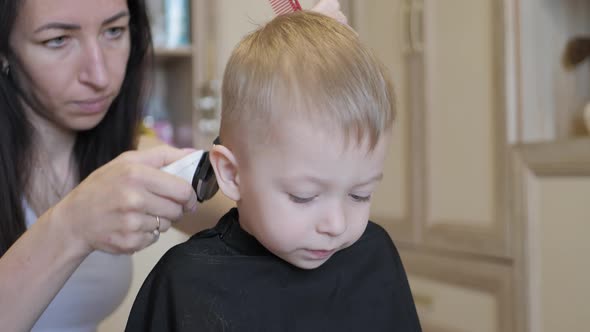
(93, 71)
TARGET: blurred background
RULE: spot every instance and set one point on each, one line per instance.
(487, 185)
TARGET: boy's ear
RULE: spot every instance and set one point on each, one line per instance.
(226, 171)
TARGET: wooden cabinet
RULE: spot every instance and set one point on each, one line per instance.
(488, 222)
(444, 195)
(460, 294)
(458, 109)
(551, 214)
(379, 24)
(456, 71)
(447, 174)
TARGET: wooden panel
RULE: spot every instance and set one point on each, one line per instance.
(460, 105)
(551, 212)
(462, 125)
(453, 294)
(454, 307)
(563, 229)
(391, 203)
(561, 158)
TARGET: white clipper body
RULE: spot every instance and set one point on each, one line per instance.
(196, 169)
(185, 167)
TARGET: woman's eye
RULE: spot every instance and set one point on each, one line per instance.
(115, 32)
(56, 42)
(301, 200)
(360, 198)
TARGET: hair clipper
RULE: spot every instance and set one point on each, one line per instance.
(196, 169)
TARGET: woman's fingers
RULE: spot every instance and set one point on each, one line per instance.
(151, 223)
(144, 223)
(150, 190)
(130, 243)
(156, 157)
(118, 207)
(170, 187)
(135, 233)
(326, 6)
(155, 205)
(330, 8)
(340, 17)
(165, 225)
(160, 183)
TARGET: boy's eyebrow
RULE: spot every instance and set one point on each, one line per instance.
(68, 26)
(375, 178)
(319, 181)
(311, 178)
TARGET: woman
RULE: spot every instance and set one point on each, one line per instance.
(71, 92)
(72, 76)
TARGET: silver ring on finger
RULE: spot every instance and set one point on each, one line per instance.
(156, 231)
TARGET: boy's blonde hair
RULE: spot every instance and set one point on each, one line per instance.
(306, 64)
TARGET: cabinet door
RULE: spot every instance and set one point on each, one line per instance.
(460, 295)
(380, 24)
(456, 73)
(558, 277)
(551, 210)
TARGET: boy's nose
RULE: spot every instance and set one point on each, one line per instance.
(93, 70)
(334, 222)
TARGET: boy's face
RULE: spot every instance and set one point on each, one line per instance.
(306, 195)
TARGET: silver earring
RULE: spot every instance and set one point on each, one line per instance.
(5, 68)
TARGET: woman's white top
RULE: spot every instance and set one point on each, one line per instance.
(95, 290)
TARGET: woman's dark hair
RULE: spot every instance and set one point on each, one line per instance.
(95, 147)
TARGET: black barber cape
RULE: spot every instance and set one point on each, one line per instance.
(223, 279)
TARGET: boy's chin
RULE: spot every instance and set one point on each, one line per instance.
(308, 264)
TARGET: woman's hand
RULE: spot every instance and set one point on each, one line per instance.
(115, 208)
(330, 8)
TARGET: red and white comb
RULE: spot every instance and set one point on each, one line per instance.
(281, 7)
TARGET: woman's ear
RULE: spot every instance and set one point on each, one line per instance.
(226, 170)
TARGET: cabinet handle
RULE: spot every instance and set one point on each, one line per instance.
(416, 26)
(407, 27)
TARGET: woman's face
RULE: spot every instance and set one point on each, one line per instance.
(72, 56)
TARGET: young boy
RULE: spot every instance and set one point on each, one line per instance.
(306, 119)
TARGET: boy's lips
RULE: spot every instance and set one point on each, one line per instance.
(320, 254)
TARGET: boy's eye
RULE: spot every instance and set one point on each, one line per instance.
(56, 42)
(115, 32)
(301, 200)
(359, 198)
